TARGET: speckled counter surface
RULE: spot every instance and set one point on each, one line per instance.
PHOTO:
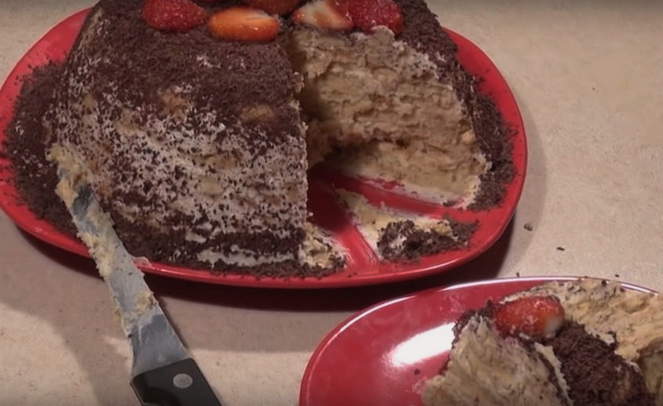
(588, 78)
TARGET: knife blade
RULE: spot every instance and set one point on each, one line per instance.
(163, 371)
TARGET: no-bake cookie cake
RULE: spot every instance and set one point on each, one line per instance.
(197, 133)
(585, 342)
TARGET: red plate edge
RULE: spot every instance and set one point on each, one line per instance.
(502, 286)
(498, 89)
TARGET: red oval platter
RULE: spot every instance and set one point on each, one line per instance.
(383, 355)
(363, 266)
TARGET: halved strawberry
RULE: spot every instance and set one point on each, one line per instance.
(324, 14)
(535, 316)
(173, 15)
(368, 14)
(278, 7)
(244, 24)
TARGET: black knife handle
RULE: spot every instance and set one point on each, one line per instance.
(177, 384)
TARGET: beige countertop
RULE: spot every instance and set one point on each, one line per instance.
(588, 77)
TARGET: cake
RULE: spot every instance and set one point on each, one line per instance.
(585, 342)
(402, 236)
(197, 137)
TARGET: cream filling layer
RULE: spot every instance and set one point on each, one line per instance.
(486, 369)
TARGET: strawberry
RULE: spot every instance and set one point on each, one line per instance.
(244, 24)
(368, 14)
(173, 15)
(278, 7)
(325, 14)
(535, 316)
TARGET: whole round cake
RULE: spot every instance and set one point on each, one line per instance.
(196, 125)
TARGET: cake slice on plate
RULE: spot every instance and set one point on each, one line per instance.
(585, 342)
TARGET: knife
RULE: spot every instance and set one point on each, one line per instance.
(163, 371)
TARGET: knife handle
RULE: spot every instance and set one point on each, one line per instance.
(177, 384)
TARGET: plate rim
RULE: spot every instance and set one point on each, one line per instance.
(341, 327)
(46, 233)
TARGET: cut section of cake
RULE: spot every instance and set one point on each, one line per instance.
(586, 342)
(399, 236)
(400, 108)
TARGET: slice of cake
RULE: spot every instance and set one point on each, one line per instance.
(586, 342)
(196, 128)
(398, 236)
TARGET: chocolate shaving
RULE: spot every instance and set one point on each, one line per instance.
(596, 375)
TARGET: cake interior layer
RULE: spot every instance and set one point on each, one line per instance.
(383, 105)
(484, 370)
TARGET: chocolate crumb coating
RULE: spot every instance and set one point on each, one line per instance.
(595, 374)
(34, 177)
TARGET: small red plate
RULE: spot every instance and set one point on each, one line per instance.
(383, 355)
(363, 267)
